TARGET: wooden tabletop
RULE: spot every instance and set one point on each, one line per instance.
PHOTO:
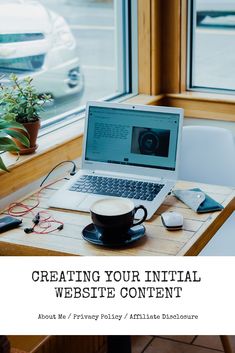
(197, 230)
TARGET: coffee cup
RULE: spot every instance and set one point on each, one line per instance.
(113, 217)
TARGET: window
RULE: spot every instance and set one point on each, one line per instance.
(74, 50)
(212, 42)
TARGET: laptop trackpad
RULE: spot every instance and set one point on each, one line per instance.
(85, 205)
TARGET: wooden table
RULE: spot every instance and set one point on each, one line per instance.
(197, 230)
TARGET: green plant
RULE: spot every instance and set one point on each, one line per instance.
(6, 142)
(20, 101)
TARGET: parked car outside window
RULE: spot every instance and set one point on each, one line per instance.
(214, 8)
(37, 42)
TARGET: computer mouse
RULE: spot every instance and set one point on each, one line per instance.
(172, 220)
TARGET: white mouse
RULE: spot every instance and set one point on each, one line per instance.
(172, 220)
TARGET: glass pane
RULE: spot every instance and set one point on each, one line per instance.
(213, 44)
(69, 47)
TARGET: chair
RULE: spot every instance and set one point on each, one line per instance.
(225, 341)
(226, 344)
(207, 155)
(4, 344)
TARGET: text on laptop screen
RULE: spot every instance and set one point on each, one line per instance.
(132, 137)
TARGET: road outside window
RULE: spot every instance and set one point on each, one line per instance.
(213, 41)
(69, 47)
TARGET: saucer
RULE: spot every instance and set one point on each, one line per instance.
(91, 234)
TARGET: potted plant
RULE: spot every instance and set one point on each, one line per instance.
(6, 143)
(21, 103)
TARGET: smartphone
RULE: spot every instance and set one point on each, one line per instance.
(9, 222)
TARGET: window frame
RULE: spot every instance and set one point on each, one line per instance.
(161, 81)
(191, 15)
(126, 66)
(170, 62)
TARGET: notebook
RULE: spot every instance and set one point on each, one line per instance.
(129, 151)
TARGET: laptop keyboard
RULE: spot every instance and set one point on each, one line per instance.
(116, 187)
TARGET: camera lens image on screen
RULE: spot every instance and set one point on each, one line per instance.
(148, 141)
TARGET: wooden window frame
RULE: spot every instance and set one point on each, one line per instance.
(163, 62)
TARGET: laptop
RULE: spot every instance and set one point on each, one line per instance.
(129, 151)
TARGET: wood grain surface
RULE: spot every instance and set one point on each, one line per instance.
(197, 230)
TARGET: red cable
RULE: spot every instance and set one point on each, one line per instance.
(43, 224)
(48, 224)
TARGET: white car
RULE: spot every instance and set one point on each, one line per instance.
(214, 8)
(37, 42)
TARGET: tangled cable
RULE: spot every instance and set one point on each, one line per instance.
(43, 222)
(44, 225)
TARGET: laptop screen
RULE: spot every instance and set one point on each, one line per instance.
(132, 137)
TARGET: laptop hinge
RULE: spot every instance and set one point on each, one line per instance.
(123, 175)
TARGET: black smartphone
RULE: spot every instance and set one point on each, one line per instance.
(9, 222)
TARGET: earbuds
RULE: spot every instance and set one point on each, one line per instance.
(36, 221)
(44, 225)
(28, 230)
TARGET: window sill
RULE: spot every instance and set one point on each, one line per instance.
(203, 105)
(62, 144)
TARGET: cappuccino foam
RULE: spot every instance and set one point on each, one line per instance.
(112, 207)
